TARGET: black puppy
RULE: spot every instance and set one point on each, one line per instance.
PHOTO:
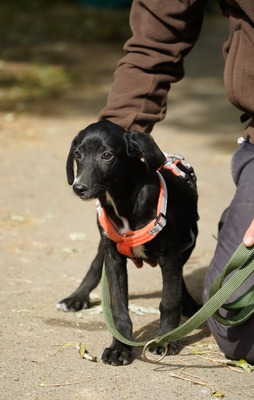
(120, 169)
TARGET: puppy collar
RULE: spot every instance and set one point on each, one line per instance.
(125, 242)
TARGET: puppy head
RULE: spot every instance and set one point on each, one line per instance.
(103, 153)
(78, 145)
(99, 152)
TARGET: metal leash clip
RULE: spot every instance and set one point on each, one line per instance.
(150, 359)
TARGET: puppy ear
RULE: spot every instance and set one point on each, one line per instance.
(69, 164)
(143, 146)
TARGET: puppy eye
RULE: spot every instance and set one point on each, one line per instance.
(77, 155)
(107, 156)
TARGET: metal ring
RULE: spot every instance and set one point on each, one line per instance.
(145, 349)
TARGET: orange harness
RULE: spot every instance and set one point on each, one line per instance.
(126, 241)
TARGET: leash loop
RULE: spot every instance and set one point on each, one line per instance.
(242, 261)
(145, 352)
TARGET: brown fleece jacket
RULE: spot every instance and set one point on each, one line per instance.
(163, 33)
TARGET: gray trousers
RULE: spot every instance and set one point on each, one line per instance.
(235, 342)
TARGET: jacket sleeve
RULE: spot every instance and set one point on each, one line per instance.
(163, 32)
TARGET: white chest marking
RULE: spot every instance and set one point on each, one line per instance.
(126, 226)
(139, 252)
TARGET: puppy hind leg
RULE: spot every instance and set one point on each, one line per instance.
(189, 306)
(171, 301)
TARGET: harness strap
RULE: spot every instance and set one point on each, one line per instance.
(174, 162)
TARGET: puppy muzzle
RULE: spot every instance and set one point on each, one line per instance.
(84, 193)
(80, 190)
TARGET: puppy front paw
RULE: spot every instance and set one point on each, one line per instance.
(173, 349)
(73, 303)
(118, 355)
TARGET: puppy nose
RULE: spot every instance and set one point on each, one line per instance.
(80, 188)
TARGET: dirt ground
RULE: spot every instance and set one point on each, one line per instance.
(49, 237)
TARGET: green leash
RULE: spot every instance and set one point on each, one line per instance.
(242, 261)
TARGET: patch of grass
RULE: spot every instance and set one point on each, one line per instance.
(20, 84)
(60, 21)
(50, 47)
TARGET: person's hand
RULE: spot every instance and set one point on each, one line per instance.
(249, 136)
(248, 238)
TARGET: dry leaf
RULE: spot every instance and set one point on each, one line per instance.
(241, 363)
(77, 236)
(85, 353)
(139, 310)
(218, 394)
(69, 250)
(18, 217)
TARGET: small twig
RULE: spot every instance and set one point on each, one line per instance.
(59, 384)
(193, 380)
(197, 381)
(222, 363)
